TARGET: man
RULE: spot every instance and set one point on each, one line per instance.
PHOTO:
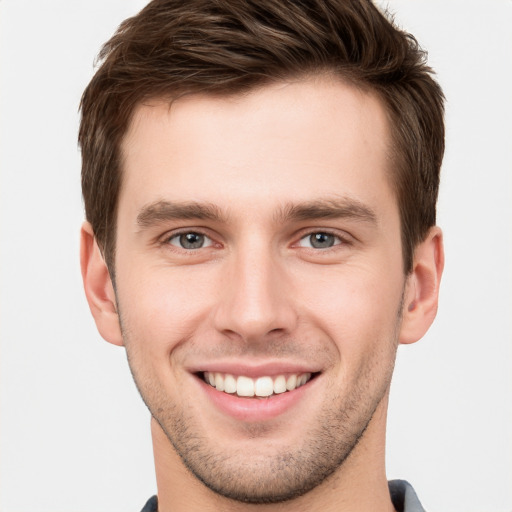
(260, 180)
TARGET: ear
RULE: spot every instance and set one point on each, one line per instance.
(98, 287)
(422, 287)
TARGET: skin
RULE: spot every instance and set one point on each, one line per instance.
(257, 175)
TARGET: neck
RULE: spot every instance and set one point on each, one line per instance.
(359, 485)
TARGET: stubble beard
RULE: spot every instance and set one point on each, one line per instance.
(293, 470)
(283, 476)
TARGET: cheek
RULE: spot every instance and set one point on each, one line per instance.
(159, 312)
(161, 307)
(356, 306)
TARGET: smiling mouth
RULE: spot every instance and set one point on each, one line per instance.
(261, 387)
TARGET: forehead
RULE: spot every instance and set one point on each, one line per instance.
(292, 141)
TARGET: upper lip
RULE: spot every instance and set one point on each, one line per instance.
(255, 370)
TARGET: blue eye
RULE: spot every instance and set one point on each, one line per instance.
(190, 240)
(320, 240)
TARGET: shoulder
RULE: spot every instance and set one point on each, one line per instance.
(404, 497)
(151, 505)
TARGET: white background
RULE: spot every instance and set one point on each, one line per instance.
(75, 434)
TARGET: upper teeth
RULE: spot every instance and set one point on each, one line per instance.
(262, 386)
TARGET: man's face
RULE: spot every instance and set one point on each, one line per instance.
(258, 247)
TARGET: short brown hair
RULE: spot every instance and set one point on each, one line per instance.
(176, 47)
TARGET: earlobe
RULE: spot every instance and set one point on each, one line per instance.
(422, 287)
(98, 287)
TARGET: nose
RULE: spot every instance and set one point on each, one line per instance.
(255, 298)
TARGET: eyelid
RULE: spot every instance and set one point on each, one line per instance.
(343, 238)
(305, 238)
(170, 235)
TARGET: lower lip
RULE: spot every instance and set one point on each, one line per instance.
(254, 409)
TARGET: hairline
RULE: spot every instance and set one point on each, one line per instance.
(393, 154)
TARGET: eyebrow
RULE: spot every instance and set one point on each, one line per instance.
(337, 208)
(161, 211)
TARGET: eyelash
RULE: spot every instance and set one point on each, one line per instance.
(338, 240)
(168, 238)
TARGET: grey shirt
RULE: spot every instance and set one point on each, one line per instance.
(402, 495)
